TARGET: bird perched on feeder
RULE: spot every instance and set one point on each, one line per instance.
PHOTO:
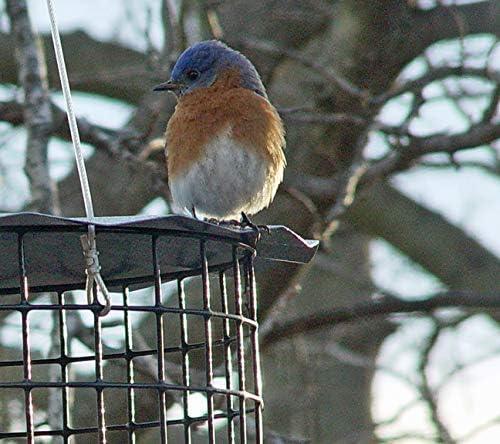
(225, 140)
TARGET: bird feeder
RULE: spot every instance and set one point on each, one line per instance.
(176, 358)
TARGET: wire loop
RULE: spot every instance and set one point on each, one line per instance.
(93, 271)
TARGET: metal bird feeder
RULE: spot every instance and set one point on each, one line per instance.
(188, 287)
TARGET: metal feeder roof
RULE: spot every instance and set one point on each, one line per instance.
(53, 253)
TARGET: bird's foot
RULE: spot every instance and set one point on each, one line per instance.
(222, 222)
(243, 223)
(246, 222)
(230, 223)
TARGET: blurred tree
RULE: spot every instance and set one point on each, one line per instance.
(332, 67)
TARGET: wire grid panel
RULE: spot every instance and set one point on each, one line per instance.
(174, 362)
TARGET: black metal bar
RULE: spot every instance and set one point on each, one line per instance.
(125, 281)
(111, 428)
(160, 343)
(228, 361)
(138, 308)
(112, 356)
(240, 346)
(208, 340)
(123, 385)
(23, 283)
(130, 368)
(63, 360)
(101, 423)
(185, 359)
(254, 340)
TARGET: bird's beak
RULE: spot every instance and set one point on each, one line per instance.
(168, 86)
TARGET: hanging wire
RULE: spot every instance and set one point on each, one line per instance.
(88, 240)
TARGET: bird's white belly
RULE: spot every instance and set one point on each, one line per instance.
(228, 180)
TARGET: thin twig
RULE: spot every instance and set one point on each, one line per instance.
(347, 191)
(426, 391)
(327, 73)
(491, 169)
(434, 74)
(306, 115)
(485, 425)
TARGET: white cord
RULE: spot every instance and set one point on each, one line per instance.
(88, 241)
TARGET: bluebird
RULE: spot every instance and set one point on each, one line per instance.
(225, 140)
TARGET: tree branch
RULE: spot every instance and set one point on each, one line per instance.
(121, 145)
(95, 135)
(327, 188)
(174, 35)
(343, 187)
(387, 305)
(328, 73)
(400, 159)
(434, 74)
(36, 110)
(477, 17)
(428, 395)
(104, 68)
(426, 237)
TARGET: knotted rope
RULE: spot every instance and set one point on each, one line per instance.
(92, 267)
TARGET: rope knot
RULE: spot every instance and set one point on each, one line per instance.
(91, 255)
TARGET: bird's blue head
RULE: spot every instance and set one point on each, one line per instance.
(200, 65)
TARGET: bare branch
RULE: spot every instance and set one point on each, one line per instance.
(460, 367)
(405, 437)
(492, 108)
(491, 169)
(104, 68)
(36, 109)
(100, 137)
(490, 423)
(174, 35)
(328, 73)
(428, 396)
(326, 188)
(480, 134)
(208, 20)
(434, 74)
(345, 197)
(400, 412)
(308, 115)
(384, 306)
(121, 144)
(316, 187)
(105, 139)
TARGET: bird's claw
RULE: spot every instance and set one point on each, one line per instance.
(246, 222)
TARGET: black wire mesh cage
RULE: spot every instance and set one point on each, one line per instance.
(177, 357)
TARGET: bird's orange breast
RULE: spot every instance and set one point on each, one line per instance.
(205, 113)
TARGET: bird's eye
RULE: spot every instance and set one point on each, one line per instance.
(192, 74)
